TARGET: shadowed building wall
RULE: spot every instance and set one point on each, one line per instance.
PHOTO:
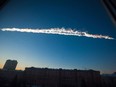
(45, 77)
(10, 65)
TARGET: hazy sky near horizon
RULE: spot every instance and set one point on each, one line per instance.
(52, 50)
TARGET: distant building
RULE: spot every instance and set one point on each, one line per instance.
(47, 77)
(110, 6)
(10, 65)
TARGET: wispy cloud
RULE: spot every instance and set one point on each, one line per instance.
(60, 31)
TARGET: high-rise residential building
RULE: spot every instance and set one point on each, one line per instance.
(10, 65)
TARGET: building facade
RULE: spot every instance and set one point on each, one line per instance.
(10, 65)
(46, 77)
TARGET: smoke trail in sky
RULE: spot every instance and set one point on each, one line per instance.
(60, 31)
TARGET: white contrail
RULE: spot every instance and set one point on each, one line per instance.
(60, 31)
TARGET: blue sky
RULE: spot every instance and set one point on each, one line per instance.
(58, 51)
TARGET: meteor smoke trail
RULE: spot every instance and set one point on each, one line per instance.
(60, 31)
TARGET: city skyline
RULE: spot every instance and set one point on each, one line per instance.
(82, 36)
